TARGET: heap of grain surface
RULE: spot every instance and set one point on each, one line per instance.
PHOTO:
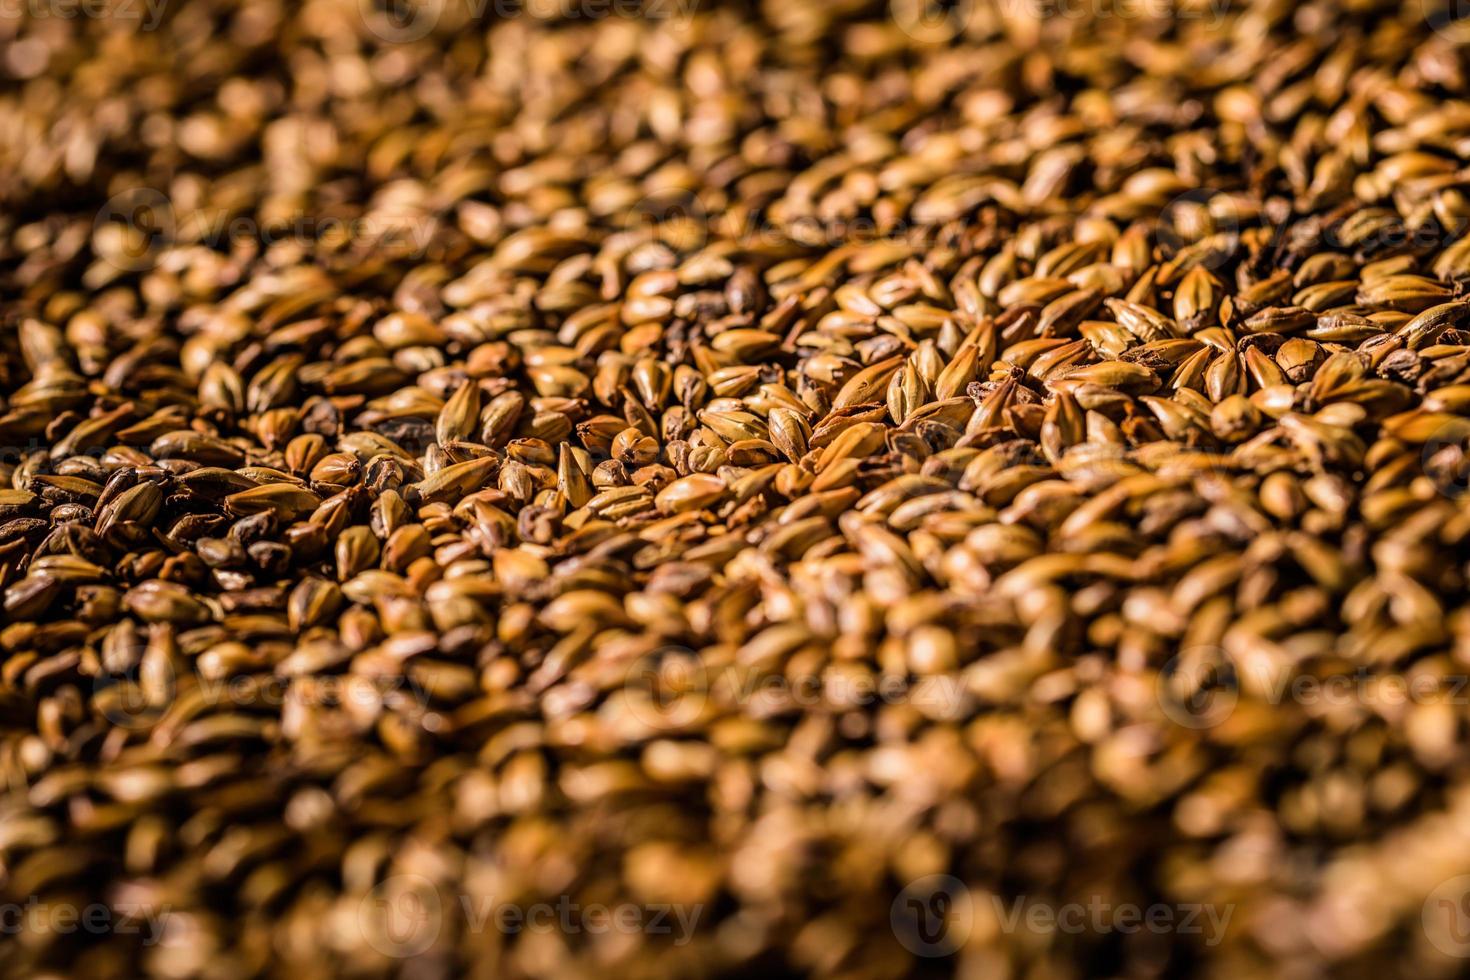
(745, 460)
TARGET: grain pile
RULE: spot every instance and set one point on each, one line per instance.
(733, 465)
